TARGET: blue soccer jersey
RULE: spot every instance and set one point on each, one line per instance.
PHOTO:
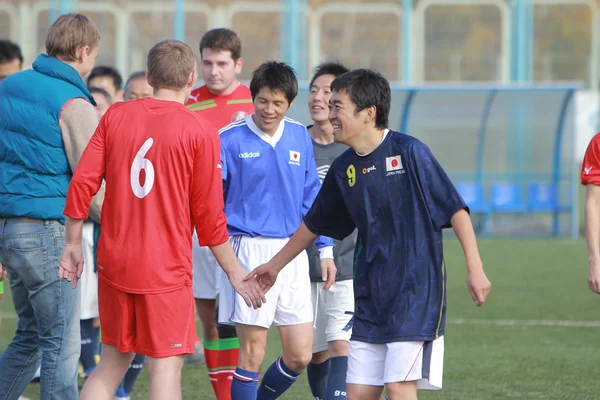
(400, 199)
(269, 182)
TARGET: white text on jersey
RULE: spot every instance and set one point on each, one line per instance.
(250, 154)
(367, 170)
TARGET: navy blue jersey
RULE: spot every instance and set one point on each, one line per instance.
(400, 199)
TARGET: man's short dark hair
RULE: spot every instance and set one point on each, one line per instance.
(102, 92)
(329, 68)
(134, 77)
(110, 72)
(367, 88)
(222, 39)
(10, 51)
(277, 76)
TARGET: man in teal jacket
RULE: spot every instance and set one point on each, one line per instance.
(46, 120)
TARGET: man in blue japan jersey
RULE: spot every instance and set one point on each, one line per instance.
(390, 187)
(270, 181)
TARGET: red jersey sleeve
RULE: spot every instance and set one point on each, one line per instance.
(207, 191)
(88, 175)
(590, 171)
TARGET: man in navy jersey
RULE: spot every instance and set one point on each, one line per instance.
(390, 187)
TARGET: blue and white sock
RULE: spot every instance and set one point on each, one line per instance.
(133, 373)
(276, 381)
(317, 379)
(89, 343)
(243, 385)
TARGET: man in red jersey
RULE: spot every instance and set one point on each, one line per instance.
(162, 168)
(222, 100)
(590, 177)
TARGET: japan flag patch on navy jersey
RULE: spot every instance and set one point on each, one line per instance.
(393, 165)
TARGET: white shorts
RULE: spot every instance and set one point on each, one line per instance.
(89, 278)
(206, 272)
(288, 301)
(378, 364)
(333, 310)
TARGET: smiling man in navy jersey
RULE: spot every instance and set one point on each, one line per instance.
(390, 187)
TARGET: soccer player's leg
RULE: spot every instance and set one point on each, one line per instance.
(229, 354)
(89, 343)
(251, 325)
(117, 316)
(253, 344)
(229, 347)
(294, 318)
(366, 367)
(104, 380)
(166, 331)
(318, 369)
(89, 326)
(131, 376)
(165, 377)
(413, 365)
(296, 341)
(210, 335)
(402, 390)
(205, 293)
(339, 308)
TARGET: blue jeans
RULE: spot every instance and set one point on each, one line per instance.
(47, 308)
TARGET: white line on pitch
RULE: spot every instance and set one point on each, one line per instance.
(516, 322)
(495, 322)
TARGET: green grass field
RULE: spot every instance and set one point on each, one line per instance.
(527, 342)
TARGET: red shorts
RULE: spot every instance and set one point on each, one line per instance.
(157, 325)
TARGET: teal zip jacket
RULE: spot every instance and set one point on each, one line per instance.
(34, 170)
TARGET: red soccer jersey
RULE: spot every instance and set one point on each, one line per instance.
(222, 110)
(590, 171)
(163, 175)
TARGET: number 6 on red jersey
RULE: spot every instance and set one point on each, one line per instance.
(140, 163)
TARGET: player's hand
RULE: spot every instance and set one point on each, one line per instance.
(265, 275)
(479, 286)
(594, 276)
(328, 272)
(249, 289)
(70, 266)
(3, 273)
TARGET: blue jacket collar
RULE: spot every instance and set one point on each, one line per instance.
(60, 70)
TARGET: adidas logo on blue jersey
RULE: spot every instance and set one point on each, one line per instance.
(250, 154)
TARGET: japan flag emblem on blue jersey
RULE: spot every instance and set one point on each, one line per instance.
(294, 157)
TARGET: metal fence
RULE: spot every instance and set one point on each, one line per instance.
(509, 149)
(410, 41)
